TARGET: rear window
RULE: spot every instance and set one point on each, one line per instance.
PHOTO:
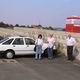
(8, 42)
(3, 40)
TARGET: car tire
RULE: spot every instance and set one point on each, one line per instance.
(45, 54)
(9, 54)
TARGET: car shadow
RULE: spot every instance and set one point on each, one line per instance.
(25, 56)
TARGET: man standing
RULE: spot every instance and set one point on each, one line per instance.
(70, 41)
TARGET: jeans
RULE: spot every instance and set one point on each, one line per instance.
(50, 52)
(38, 52)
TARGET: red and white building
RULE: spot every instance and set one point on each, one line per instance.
(73, 24)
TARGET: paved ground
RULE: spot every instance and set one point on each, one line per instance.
(27, 68)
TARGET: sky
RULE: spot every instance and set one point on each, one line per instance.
(33, 12)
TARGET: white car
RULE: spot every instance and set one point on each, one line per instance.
(12, 46)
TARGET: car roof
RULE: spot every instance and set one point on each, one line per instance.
(19, 37)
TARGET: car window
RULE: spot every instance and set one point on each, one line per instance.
(18, 41)
(29, 41)
(4, 39)
(8, 42)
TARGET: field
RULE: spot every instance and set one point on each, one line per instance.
(60, 36)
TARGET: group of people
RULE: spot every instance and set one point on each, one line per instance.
(70, 43)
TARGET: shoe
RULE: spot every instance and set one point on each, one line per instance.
(36, 59)
(39, 58)
(50, 58)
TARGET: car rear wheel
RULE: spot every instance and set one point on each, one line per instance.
(9, 54)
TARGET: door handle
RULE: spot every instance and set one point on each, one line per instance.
(14, 46)
(27, 45)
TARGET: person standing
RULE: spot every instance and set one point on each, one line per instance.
(51, 42)
(70, 42)
(39, 43)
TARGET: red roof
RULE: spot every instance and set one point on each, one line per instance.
(73, 17)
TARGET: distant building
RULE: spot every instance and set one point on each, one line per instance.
(36, 26)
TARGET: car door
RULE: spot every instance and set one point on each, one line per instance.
(30, 43)
(19, 46)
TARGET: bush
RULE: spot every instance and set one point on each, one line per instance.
(59, 47)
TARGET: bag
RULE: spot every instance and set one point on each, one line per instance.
(35, 48)
(54, 47)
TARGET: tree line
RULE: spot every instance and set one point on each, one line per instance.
(4, 25)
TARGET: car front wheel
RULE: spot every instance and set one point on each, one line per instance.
(9, 54)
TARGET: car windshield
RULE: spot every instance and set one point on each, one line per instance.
(4, 39)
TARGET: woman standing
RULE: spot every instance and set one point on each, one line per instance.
(39, 43)
(51, 42)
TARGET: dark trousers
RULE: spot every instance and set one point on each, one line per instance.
(50, 52)
(70, 52)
